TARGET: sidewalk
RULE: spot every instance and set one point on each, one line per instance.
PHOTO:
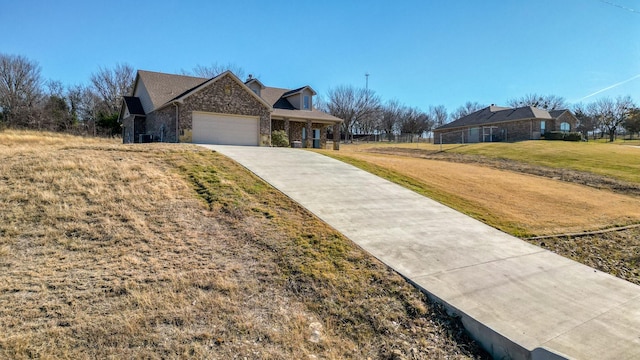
(518, 300)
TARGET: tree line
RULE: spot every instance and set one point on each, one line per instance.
(365, 113)
(28, 101)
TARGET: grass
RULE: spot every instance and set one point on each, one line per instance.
(167, 251)
(517, 203)
(520, 204)
(620, 160)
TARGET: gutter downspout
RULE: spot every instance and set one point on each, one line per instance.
(177, 122)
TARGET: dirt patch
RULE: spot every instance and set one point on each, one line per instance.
(572, 176)
(616, 252)
(169, 251)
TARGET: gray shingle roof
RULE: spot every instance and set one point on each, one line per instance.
(164, 87)
(496, 114)
(305, 115)
(556, 113)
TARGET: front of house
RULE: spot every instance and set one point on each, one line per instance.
(495, 123)
(221, 110)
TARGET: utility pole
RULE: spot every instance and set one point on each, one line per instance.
(366, 75)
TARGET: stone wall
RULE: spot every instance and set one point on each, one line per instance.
(127, 130)
(277, 125)
(226, 96)
(161, 124)
(295, 131)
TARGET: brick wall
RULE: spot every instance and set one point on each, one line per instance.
(509, 131)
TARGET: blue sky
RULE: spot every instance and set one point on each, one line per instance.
(419, 52)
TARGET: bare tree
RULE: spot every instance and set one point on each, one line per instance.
(415, 121)
(390, 117)
(20, 90)
(545, 102)
(84, 106)
(612, 114)
(587, 122)
(353, 106)
(112, 84)
(215, 69)
(466, 109)
(438, 114)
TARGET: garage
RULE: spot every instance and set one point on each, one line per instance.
(223, 129)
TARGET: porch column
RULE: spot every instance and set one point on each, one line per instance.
(336, 136)
(286, 130)
(309, 142)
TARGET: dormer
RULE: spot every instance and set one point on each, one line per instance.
(254, 84)
(301, 98)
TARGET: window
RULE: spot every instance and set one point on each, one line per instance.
(542, 127)
(306, 102)
(565, 127)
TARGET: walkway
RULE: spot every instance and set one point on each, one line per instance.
(518, 300)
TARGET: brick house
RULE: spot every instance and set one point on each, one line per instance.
(221, 110)
(495, 123)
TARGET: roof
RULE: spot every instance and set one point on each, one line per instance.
(298, 90)
(497, 114)
(317, 115)
(254, 80)
(133, 105)
(556, 113)
(164, 87)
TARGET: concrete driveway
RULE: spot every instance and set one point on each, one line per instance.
(518, 300)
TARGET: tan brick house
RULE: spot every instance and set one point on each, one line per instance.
(221, 110)
(495, 123)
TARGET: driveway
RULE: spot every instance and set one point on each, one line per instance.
(518, 300)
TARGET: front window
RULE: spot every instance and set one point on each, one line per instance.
(306, 102)
(565, 127)
(542, 127)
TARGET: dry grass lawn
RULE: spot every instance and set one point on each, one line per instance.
(522, 204)
(164, 251)
(518, 203)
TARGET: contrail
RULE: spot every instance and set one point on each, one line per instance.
(611, 87)
(620, 6)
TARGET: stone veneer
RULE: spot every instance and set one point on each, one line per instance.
(223, 96)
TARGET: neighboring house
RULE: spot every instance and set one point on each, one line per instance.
(221, 110)
(495, 123)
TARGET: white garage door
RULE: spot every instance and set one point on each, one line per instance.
(209, 128)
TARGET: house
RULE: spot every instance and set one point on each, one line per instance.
(221, 110)
(495, 123)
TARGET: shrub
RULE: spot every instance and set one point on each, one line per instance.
(279, 138)
(573, 136)
(554, 135)
(566, 136)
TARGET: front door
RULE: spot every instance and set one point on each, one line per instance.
(316, 138)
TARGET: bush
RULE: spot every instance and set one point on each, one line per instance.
(554, 135)
(559, 135)
(573, 136)
(279, 138)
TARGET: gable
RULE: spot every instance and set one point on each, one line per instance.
(232, 87)
(156, 89)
